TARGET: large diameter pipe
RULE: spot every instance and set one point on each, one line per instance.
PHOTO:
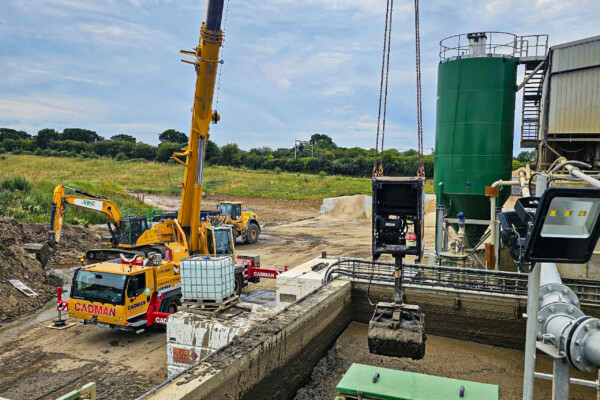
(561, 322)
(576, 172)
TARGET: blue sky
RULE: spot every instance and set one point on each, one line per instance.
(292, 68)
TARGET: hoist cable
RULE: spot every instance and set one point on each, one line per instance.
(385, 35)
(222, 54)
(383, 90)
(421, 164)
(387, 75)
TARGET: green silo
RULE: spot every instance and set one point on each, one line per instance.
(474, 133)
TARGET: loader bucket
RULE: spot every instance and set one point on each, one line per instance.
(397, 331)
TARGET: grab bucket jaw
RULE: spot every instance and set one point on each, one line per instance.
(397, 331)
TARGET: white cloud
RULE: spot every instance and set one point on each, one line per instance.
(291, 68)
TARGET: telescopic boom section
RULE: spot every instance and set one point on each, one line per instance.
(206, 64)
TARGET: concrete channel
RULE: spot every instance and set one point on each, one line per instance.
(275, 358)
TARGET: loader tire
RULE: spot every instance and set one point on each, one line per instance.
(253, 232)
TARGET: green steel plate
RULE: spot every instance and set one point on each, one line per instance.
(401, 385)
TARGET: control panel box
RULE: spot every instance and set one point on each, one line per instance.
(398, 216)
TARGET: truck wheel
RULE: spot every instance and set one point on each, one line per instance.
(239, 284)
(170, 306)
(253, 232)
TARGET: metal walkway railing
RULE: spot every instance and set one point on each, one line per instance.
(463, 279)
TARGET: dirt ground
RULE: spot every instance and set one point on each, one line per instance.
(444, 357)
(44, 363)
(38, 362)
(16, 263)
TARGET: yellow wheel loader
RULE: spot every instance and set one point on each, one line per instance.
(245, 223)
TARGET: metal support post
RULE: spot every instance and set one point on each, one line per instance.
(533, 305)
(446, 235)
(497, 242)
(398, 281)
(560, 381)
(439, 229)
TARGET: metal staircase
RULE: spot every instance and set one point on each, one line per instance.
(532, 100)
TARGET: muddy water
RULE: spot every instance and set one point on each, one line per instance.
(444, 357)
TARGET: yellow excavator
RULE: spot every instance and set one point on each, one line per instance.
(130, 293)
(128, 235)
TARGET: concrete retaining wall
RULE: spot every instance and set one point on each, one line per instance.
(490, 319)
(191, 336)
(274, 359)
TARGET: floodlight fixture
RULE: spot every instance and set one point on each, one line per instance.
(562, 226)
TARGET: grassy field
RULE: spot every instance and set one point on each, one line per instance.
(113, 179)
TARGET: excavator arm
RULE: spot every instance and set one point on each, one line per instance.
(83, 200)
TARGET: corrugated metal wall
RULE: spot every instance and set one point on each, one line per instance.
(575, 96)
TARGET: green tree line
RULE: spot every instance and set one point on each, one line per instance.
(320, 155)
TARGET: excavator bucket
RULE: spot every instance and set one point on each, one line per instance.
(397, 331)
(43, 251)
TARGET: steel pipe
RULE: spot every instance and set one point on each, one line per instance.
(494, 238)
(562, 323)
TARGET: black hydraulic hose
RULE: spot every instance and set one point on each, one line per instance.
(214, 13)
(529, 184)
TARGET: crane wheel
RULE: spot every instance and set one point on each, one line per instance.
(239, 284)
(171, 306)
(253, 233)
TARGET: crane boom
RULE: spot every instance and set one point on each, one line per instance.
(206, 65)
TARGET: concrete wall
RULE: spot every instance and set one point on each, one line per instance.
(490, 319)
(274, 359)
(193, 336)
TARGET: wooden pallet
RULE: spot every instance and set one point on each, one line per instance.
(60, 328)
(210, 305)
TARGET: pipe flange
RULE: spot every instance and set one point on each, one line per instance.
(555, 310)
(561, 289)
(579, 334)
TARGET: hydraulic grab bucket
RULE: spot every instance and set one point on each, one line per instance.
(397, 331)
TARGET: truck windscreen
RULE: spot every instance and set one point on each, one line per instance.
(223, 241)
(99, 286)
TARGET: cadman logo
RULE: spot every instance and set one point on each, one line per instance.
(264, 274)
(160, 320)
(95, 309)
(136, 305)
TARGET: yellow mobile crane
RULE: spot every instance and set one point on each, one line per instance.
(131, 293)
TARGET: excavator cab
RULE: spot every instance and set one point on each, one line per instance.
(131, 229)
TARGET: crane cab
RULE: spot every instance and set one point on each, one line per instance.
(220, 241)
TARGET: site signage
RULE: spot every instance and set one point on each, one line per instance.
(87, 203)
